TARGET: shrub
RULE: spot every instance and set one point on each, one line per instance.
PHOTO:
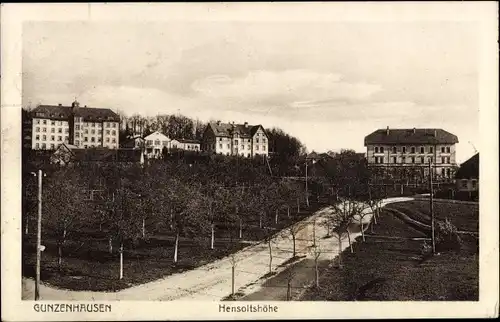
(447, 237)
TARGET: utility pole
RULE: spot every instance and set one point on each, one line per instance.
(432, 210)
(307, 191)
(39, 237)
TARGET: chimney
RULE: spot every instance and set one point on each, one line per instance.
(246, 124)
(75, 104)
(218, 122)
(435, 133)
(414, 130)
(60, 104)
(387, 131)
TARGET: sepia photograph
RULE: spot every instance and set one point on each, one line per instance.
(248, 162)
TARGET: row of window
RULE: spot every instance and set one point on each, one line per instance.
(108, 132)
(92, 124)
(157, 142)
(248, 140)
(52, 146)
(52, 138)
(473, 183)
(445, 160)
(65, 123)
(413, 149)
(52, 130)
(243, 147)
(53, 123)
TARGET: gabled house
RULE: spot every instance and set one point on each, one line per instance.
(467, 176)
(134, 143)
(235, 139)
(155, 143)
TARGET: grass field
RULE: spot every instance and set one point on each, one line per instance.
(464, 216)
(88, 265)
(390, 269)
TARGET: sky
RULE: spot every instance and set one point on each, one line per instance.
(328, 83)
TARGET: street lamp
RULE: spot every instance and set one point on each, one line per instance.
(39, 247)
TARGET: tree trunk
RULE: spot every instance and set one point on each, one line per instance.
(143, 227)
(293, 239)
(26, 229)
(260, 220)
(288, 211)
(362, 228)
(340, 250)
(314, 233)
(59, 261)
(349, 239)
(171, 219)
(316, 270)
(298, 205)
(375, 215)
(212, 235)
(276, 217)
(176, 247)
(270, 256)
(121, 260)
(241, 228)
(110, 245)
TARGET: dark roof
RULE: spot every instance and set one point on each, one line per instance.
(411, 136)
(469, 169)
(226, 129)
(187, 141)
(60, 112)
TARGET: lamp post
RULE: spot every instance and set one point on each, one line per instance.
(39, 248)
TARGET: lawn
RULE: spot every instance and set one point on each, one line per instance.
(388, 269)
(464, 216)
(88, 265)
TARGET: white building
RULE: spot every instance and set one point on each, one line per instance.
(155, 142)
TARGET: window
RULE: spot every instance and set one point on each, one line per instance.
(249, 140)
(236, 142)
(431, 149)
(443, 160)
(394, 160)
(92, 131)
(53, 123)
(44, 137)
(422, 160)
(394, 150)
(107, 124)
(77, 127)
(59, 138)
(422, 150)
(59, 123)
(92, 139)
(37, 146)
(37, 121)
(86, 131)
(464, 183)
(403, 159)
(442, 149)
(59, 130)
(99, 125)
(165, 142)
(99, 140)
(412, 159)
(44, 122)
(220, 139)
(37, 137)
(85, 146)
(85, 139)
(257, 148)
(37, 129)
(114, 133)
(412, 149)
(99, 132)
(404, 149)
(114, 124)
(52, 138)
(66, 131)
(77, 142)
(447, 159)
(44, 146)
(243, 147)
(448, 171)
(376, 149)
(66, 138)
(107, 132)
(93, 124)
(228, 146)
(77, 135)
(157, 142)
(381, 149)
(220, 146)
(257, 140)
(107, 139)
(474, 183)
(248, 155)
(431, 160)
(52, 130)
(263, 148)
(448, 149)
(263, 140)
(52, 146)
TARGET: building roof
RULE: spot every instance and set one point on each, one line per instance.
(227, 129)
(469, 169)
(61, 112)
(410, 136)
(157, 134)
(188, 141)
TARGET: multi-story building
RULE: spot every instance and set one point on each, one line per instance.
(155, 142)
(189, 145)
(83, 127)
(467, 177)
(399, 148)
(235, 139)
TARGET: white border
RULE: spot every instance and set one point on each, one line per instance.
(12, 16)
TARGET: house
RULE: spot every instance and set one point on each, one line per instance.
(415, 148)
(467, 176)
(235, 139)
(84, 127)
(155, 143)
(188, 145)
(136, 142)
(67, 154)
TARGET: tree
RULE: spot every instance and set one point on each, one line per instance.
(375, 197)
(64, 206)
(337, 221)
